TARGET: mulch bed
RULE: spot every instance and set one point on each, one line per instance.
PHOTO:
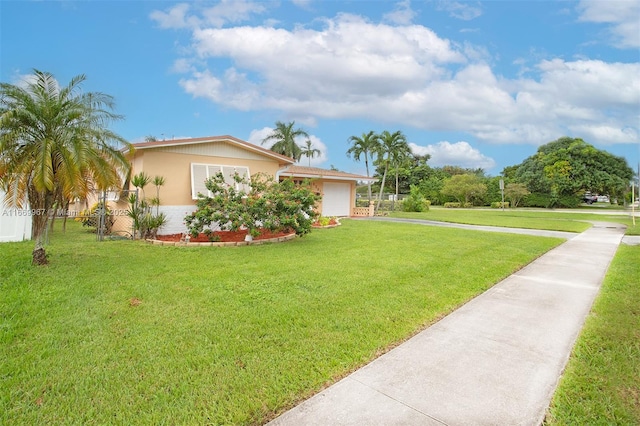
(225, 236)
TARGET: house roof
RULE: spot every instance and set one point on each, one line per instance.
(208, 139)
(317, 173)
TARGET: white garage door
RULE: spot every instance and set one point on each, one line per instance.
(336, 200)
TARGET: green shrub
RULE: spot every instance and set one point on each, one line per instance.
(455, 205)
(91, 218)
(549, 201)
(415, 202)
(499, 204)
(268, 204)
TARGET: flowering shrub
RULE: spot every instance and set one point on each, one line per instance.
(268, 204)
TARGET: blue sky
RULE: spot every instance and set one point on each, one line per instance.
(475, 84)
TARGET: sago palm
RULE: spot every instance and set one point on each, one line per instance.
(54, 144)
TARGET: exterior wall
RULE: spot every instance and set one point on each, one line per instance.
(15, 224)
(175, 167)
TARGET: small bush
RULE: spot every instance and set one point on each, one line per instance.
(91, 218)
(499, 205)
(415, 202)
(452, 205)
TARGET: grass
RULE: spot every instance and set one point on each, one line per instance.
(575, 221)
(600, 385)
(129, 333)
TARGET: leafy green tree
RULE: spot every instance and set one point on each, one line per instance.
(54, 144)
(366, 146)
(464, 188)
(515, 192)
(393, 148)
(283, 139)
(569, 167)
(309, 152)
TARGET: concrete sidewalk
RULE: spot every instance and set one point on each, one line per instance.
(494, 361)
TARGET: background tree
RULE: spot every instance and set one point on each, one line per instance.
(515, 192)
(569, 167)
(54, 143)
(393, 146)
(464, 188)
(366, 146)
(308, 151)
(283, 139)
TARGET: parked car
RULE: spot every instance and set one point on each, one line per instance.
(589, 199)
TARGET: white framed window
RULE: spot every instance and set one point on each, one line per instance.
(201, 172)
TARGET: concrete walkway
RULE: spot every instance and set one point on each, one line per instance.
(494, 361)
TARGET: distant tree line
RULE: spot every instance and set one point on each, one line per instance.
(557, 175)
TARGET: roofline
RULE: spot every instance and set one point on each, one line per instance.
(227, 138)
(326, 177)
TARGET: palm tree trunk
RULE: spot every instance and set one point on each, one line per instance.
(396, 198)
(384, 177)
(40, 205)
(366, 163)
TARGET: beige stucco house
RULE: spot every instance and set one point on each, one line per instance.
(186, 163)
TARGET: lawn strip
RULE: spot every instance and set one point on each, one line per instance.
(600, 384)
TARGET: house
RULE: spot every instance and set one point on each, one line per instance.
(15, 224)
(185, 164)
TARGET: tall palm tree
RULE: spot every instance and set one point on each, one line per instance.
(284, 139)
(393, 147)
(309, 152)
(54, 143)
(367, 145)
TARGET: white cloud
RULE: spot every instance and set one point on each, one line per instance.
(402, 15)
(175, 17)
(454, 154)
(465, 11)
(406, 74)
(226, 11)
(623, 15)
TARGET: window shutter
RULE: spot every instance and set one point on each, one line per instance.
(198, 176)
(201, 172)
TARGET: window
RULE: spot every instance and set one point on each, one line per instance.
(201, 172)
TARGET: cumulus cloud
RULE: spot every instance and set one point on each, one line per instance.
(622, 15)
(407, 74)
(454, 154)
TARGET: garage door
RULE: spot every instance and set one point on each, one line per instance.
(336, 199)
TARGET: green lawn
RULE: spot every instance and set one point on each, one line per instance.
(129, 333)
(601, 384)
(574, 221)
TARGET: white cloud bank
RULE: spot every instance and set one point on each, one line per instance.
(460, 154)
(406, 74)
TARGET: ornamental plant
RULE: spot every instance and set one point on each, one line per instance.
(268, 204)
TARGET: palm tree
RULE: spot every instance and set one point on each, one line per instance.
(54, 145)
(284, 138)
(393, 147)
(309, 152)
(367, 145)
